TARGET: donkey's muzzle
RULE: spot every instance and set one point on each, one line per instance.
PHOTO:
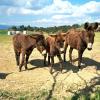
(89, 46)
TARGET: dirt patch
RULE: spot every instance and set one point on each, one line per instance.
(38, 78)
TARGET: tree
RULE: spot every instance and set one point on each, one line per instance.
(21, 28)
(14, 28)
(75, 25)
(29, 28)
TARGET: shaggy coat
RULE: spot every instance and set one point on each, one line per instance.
(25, 44)
(80, 40)
(54, 44)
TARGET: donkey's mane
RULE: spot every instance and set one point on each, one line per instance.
(34, 35)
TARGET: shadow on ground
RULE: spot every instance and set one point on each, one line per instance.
(4, 75)
(91, 62)
(53, 86)
(67, 66)
(38, 63)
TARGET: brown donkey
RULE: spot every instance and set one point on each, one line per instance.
(25, 44)
(80, 40)
(54, 44)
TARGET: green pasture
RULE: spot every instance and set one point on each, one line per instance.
(3, 32)
(4, 37)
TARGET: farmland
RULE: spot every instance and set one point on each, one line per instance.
(38, 84)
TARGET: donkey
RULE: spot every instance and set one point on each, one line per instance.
(25, 44)
(54, 44)
(80, 40)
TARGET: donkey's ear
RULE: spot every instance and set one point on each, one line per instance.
(95, 25)
(86, 25)
(53, 35)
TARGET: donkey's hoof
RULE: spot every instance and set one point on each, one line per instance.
(19, 70)
(79, 67)
(61, 70)
(26, 68)
(82, 64)
(17, 63)
(64, 60)
(51, 72)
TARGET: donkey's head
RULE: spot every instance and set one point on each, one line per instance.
(59, 41)
(41, 44)
(90, 28)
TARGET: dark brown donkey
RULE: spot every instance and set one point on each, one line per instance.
(80, 40)
(25, 44)
(53, 48)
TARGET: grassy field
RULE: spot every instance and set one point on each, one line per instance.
(3, 32)
(38, 84)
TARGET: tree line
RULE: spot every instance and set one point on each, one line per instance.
(47, 29)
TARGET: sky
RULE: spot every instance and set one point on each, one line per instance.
(46, 13)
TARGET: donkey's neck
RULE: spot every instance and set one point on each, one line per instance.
(83, 38)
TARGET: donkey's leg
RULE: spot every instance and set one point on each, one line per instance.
(17, 55)
(65, 48)
(80, 53)
(52, 63)
(48, 59)
(70, 54)
(27, 57)
(22, 61)
(45, 56)
(60, 60)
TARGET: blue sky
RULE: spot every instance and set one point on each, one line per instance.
(44, 13)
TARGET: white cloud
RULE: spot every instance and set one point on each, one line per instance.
(88, 8)
(60, 12)
(67, 21)
(57, 7)
(20, 11)
(43, 20)
(11, 10)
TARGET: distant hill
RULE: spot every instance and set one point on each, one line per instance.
(4, 27)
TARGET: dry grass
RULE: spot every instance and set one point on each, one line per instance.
(39, 84)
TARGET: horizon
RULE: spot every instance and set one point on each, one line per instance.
(48, 13)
